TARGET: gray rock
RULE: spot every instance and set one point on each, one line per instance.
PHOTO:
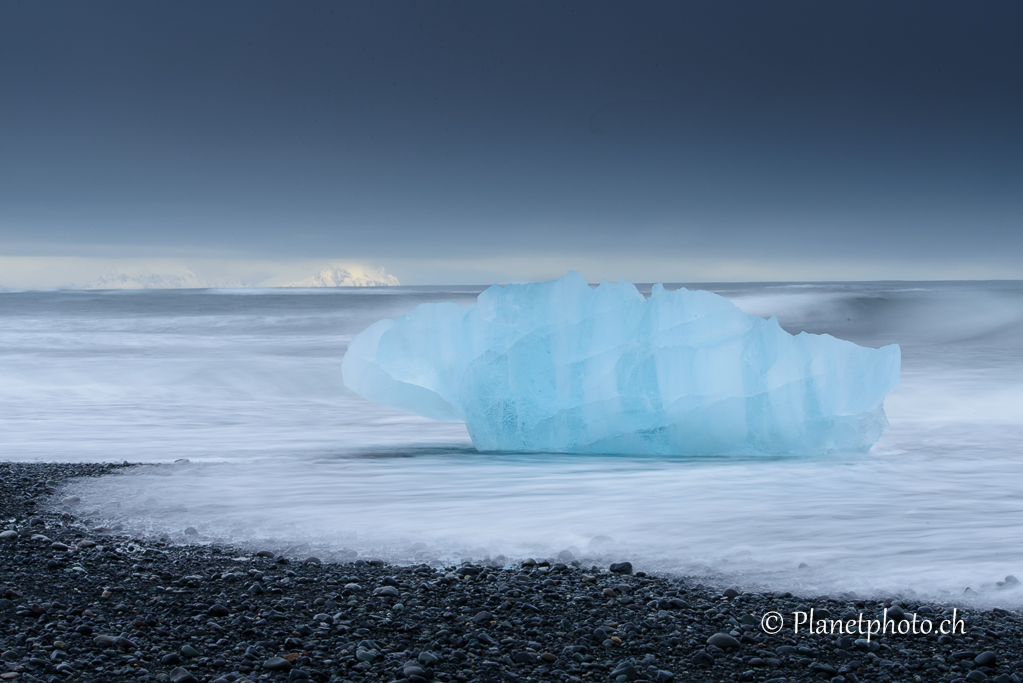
(9, 535)
(723, 640)
(621, 568)
(626, 669)
(124, 644)
(219, 610)
(180, 675)
(964, 654)
(702, 658)
(277, 664)
(987, 659)
(895, 613)
(865, 644)
(482, 617)
(189, 651)
(386, 592)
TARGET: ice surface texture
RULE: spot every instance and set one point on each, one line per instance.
(562, 367)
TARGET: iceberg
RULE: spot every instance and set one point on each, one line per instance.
(563, 367)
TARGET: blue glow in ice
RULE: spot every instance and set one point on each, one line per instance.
(562, 367)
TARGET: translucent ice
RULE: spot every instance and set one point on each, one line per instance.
(562, 367)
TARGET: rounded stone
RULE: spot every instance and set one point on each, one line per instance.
(723, 640)
(219, 610)
(277, 664)
(181, 675)
(702, 658)
(987, 659)
(482, 617)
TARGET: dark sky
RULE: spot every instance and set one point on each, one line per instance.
(817, 129)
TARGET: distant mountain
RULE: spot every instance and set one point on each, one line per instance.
(183, 279)
(336, 276)
(181, 276)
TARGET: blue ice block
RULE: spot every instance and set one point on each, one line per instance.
(562, 367)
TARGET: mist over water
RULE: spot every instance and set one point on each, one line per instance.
(247, 386)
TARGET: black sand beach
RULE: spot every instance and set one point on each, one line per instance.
(92, 604)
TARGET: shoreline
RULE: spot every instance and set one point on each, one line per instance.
(83, 605)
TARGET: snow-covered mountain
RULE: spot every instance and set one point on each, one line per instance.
(336, 276)
(184, 279)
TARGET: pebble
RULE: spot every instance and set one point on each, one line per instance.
(219, 610)
(277, 664)
(724, 641)
(180, 675)
(986, 659)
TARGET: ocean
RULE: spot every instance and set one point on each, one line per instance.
(246, 385)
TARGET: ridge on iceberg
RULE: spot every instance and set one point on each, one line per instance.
(562, 367)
